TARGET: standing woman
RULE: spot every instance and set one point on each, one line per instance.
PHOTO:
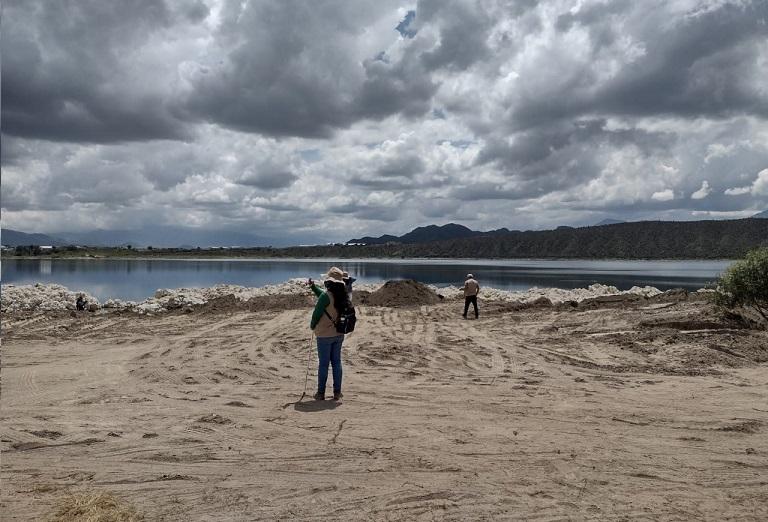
(330, 305)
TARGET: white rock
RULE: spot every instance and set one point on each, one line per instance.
(41, 297)
(56, 297)
(556, 295)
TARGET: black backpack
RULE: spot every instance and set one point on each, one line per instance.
(346, 322)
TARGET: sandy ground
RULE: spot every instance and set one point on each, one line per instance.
(648, 411)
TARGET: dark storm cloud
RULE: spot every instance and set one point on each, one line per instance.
(381, 184)
(266, 172)
(699, 67)
(165, 167)
(540, 143)
(397, 184)
(13, 150)
(286, 68)
(517, 8)
(393, 165)
(267, 178)
(404, 87)
(289, 70)
(64, 76)
(438, 207)
(489, 191)
(366, 211)
(463, 33)
(279, 207)
(225, 112)
(593, 15)
(693, 66)
(406, 167)
(560, 156)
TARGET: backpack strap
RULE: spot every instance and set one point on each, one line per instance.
(329, 317)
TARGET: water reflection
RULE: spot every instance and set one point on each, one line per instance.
(138, 279)
(46, 266)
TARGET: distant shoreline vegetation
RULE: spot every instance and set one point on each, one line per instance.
(650, 240)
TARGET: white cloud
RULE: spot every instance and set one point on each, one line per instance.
(738, 191)
(724, 214)
(703, 192)
(663, 195)
(248, 115)
(718, 150)
(760, 186)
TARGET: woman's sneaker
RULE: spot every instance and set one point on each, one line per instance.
(337, 396)
(319, 396)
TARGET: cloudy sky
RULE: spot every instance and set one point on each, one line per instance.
(341, 118)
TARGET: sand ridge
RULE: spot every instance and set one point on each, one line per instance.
(642, 410)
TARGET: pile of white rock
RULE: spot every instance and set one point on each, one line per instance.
(555, 295)
(169, 299)
(42, 297)
(52, 297)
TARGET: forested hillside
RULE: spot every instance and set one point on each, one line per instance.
(640, 240)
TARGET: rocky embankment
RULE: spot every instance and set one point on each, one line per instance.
(44, 298)
(52, 297)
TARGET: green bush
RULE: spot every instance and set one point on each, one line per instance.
(745, 283)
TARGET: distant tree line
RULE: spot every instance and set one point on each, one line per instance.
(37, 250)
(27, 250)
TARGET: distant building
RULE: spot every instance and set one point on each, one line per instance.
(46, 248)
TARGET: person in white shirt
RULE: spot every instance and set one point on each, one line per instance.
(471, 289)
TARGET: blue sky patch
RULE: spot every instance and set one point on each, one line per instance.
(404, 27)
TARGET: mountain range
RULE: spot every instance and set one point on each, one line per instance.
(15, 238)
(706, 239)
(185, 237)
(164, 237)
(433, 233)
(609, 221)
(427, 234)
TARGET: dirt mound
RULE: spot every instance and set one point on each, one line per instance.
(608, 301)
(230, 303)
(702, 317)
(360, 297)
(402, 293)
(280, 302)
(225, 303)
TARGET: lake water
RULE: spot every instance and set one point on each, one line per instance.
(137, 279)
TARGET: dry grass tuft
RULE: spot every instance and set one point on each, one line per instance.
(94, 507)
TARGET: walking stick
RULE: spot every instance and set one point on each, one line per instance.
(309, 360)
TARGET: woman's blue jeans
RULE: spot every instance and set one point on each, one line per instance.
(329, 351)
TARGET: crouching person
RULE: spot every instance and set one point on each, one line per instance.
(331, 304)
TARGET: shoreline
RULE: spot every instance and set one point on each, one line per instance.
(366, 259)
(54, 297)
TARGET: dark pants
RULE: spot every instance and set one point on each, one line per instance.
(470, 299)
(329, 351)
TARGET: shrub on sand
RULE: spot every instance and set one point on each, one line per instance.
(94, 507)
(745, 283)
